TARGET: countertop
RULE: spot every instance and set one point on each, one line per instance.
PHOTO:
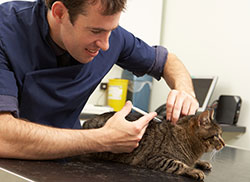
(229, 164)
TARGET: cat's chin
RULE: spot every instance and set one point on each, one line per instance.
(219, 147)
(210, 149)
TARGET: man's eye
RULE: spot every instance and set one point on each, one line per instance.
(95, 31)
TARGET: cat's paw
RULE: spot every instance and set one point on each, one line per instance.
(196, 174)
(204, 165)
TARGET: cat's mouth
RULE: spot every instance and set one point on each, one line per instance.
(221, 142)
(211, 137)
(215, 141)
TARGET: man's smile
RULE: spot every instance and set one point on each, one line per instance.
(92, 52)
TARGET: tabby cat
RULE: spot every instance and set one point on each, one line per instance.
(171, 148)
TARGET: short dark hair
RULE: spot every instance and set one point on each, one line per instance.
(76, 7)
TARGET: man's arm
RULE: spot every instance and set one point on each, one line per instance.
(181, 99)
(27, 140)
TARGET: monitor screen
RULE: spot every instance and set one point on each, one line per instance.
(204, 87)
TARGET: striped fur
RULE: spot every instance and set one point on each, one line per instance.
(170, 148)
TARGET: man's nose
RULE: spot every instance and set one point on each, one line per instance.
(103, 42)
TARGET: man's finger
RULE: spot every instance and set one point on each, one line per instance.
(186, 107)
(193, 108)
(170, 104)
(177, 109)
(143, 121)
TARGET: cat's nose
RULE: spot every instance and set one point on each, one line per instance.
(220, 146)
(221, 141)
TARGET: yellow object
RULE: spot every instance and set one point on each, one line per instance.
(117, 93)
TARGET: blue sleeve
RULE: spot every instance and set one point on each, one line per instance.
(160, 60)
(9, 104)
(8, 86)
(140, 58)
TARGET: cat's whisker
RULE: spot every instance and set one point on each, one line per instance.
(212, 156)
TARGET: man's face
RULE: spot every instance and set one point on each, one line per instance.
(89, 34)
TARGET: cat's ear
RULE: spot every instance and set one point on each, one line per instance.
(204, 118)
(211, 114)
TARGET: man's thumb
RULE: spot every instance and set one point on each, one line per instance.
(126, 108)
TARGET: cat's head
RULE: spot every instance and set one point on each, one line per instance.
(208, 131)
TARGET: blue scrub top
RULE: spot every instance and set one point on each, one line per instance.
(45, 93)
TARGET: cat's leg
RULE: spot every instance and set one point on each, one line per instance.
(203, 165)
(175, 167)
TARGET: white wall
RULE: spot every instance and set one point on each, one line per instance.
(212, 37)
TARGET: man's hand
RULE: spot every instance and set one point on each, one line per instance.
(122, 135)
(181, 99)
(180, 103)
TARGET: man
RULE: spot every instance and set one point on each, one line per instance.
(52, 58)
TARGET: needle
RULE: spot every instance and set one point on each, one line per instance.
(144, 113)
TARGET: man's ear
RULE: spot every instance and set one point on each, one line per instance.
(58, 11)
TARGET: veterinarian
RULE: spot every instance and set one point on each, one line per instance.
(53, 55)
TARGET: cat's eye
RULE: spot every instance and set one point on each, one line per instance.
(211, 137)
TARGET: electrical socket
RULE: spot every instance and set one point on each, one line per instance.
(103, 86)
